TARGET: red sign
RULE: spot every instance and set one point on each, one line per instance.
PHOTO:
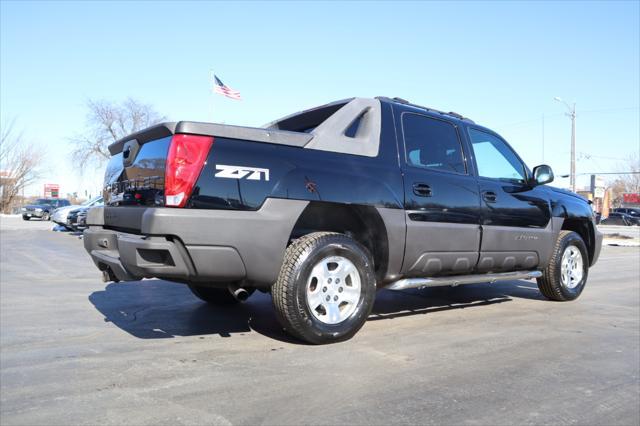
(51, 190)
(631, 198)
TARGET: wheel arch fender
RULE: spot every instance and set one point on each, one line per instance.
(377, 229)
(577, 217)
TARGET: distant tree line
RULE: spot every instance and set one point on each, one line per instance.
(20, 162)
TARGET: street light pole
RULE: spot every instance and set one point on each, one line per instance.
(571, 114)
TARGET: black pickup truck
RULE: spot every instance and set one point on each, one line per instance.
(323, 207)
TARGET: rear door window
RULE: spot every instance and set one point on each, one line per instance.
(432, 144)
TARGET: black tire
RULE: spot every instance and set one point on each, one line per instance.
(215, 296)
(550, 284)
(25, 217)
(289, 293)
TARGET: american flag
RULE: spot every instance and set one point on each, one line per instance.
(220, 87)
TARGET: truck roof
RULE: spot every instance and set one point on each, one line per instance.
(449, 114)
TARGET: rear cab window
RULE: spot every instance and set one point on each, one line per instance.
(307, 121)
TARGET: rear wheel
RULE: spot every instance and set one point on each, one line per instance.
(216, 296)
(566, 275)
(326, 288)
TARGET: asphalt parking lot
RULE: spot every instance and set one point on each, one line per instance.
(77, 351)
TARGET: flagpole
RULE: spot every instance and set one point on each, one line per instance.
(212, 94)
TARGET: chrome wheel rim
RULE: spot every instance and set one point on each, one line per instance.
(333, 289)
(571, 268)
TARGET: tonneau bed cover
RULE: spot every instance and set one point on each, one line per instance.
(255, 134)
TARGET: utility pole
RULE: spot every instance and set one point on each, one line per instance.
(571, 114)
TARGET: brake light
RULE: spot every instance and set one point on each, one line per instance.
(186, 157)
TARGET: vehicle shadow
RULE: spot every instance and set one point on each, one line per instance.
(157, 309)
(68, 231)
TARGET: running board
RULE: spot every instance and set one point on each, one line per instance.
(453, 281)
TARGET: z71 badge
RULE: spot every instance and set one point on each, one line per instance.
(240, 172)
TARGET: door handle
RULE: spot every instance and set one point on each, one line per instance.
(489, 196)
(422, 190)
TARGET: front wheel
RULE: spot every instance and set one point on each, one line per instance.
(326, 288)
(25, 217)
(46, 216)
(566, 275)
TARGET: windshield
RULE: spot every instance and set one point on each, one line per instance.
(44, 201)
(92, 201)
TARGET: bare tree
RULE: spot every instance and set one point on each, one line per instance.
(629, 182)
(106, 123)
(19, 163)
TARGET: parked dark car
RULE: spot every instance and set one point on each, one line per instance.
(598, 217)
(633, 220)
(325, 207)
(77, 219)
(81, 221)
(43, 208)
(631, 211)
(620, 219)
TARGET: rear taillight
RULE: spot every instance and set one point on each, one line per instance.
(186, 157)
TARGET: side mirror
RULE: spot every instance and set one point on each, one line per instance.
(542, 174)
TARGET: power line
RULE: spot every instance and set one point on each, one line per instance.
(603, 173)
(537, 120)
(584, 155)
(578, 112)
(610, 110)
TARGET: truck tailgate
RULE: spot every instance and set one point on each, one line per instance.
(137, 175)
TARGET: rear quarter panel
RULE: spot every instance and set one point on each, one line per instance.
(294, 173)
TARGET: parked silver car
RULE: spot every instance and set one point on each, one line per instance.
(59, 215)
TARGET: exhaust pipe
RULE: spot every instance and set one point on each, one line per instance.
(238, 292)
(108, 275)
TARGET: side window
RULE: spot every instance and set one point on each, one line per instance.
(494, 158)
(432, 144)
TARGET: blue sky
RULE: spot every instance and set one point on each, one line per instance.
(499, 63)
